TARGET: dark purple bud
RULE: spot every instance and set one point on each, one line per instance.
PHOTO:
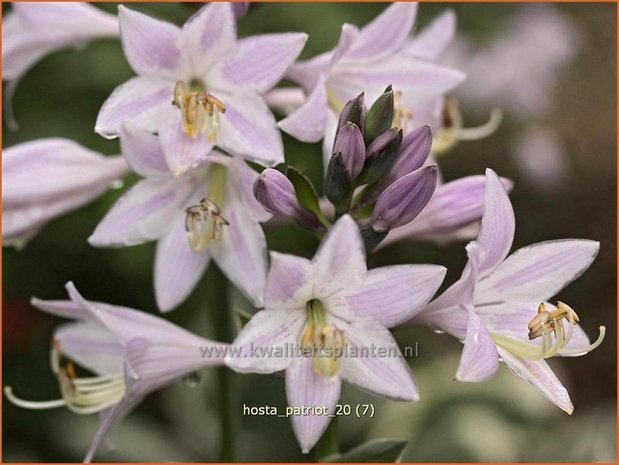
(276, 194)
(354, 111)
(349, 142)
(403, 200)
(414, 151)
(380, 156)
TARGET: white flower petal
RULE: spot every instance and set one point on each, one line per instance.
(182, 153)
(392, 295)
(480, 359)
(305, 388)
(374, 362)
(143, 152)
(287, 281)
(432, 41)
(308, 122)
(539, 271)
(150, 45)
(266, 344)
(178, 269)
(339, 262)
(143, 101)
(540, 376)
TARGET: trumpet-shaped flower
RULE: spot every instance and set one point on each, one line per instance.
(210, 212)
(499, 306)
(366, 60)
(130, 354)
(326, 320)
(30, 31)
(46, 178)
(197, 86)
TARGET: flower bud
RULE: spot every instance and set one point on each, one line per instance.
(276, 194)
(403, 200)
(413, 152)
(338, 182)
(349, 142)
(380, 116)
(354, 111)
(380, 156)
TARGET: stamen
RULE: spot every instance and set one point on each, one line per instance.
(200, 111)
(203, 224)
(544, 325)
(402, 115)
(326, 341)
(80, 395)
(454, 131)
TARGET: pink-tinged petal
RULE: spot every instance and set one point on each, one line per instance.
(308, 122)
(339, 262)
(287, 279)
(385, 34)
(47, 169)
(84, 16)
(178, 269)
(91, 346)
(108, 419)
(182, 153)
(306, 389)
(260, 62)
(243, 178)
(540, 376)
(62, 308)
(347, 38)
(150, 45)
(539, 271)
(374, 362)
(285, 99)
(159, 364)
(143, 214)
(208, 37)
(308, 73)
(249, 130)
(454, 206)
(497, 224)
(143, 152)
(432, 41)
(143, 101)
(22, 223)
(241, 250)
(480, 359)
(266, 344)
(417, 80)
(391, 295)
(129, 324)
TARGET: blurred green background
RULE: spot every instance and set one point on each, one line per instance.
(500, 420)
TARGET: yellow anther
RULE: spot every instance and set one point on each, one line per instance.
(203, 224)
(200, 111)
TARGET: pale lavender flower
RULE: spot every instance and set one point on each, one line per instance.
(214, 81)
(339, 312)
(349, 142)
(31, 31)
(366, 60)
(46, 178)
(130, 353)
(210, 212)
(499, 309)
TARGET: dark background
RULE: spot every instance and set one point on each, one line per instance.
(503, 419)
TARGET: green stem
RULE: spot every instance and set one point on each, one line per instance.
(223, 324)
(328, 443)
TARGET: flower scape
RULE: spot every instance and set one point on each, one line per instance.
(199, 127)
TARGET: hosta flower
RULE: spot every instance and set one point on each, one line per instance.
(30, 31)
(499, 306)
(130, 354)
(366, 60)
(328, 320)
(46, 178)
(197, 86)
(210, 212)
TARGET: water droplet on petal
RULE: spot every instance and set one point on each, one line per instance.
(117, 184)
(192, 379)
(439, 331)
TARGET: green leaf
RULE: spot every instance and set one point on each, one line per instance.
(304, 190)
(373, 451)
